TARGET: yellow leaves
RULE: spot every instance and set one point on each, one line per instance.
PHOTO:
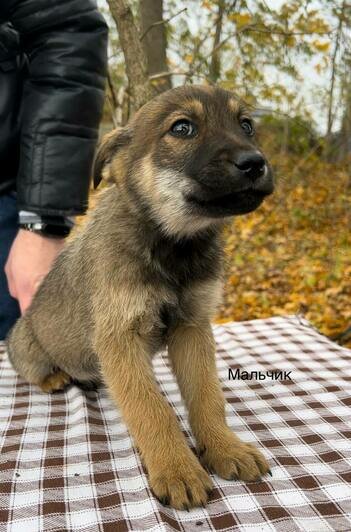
(240, 19)
(234, 280)
(333, 291)
(322, 65)
(315, 21)
(189, 58)
(249, 297)
(290, 41)
(294, 253)
(300, 191)
(321, 46)
(318, 68)
(315, 24)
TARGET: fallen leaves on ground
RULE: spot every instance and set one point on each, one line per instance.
(293, 255)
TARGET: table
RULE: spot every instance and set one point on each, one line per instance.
(68, 464)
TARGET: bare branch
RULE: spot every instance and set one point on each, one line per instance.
(170, 73)
(112, 89)
(186, 73)
(112, 111)
(288, 33)
(160, 22)
(252, 27)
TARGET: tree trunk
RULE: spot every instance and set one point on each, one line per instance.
(346, 124)
(140, 87)
(215, 66)
(154, 41)
(333, 73)
(344, 152)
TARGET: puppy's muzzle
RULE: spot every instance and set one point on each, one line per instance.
(232, 182)
(251, 164)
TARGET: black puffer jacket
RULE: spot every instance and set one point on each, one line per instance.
(52, 76)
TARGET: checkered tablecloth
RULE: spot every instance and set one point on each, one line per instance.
(67, 462)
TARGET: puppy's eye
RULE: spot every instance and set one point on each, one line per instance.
(247, 126)
(183, 128)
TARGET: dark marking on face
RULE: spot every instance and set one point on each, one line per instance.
(208, 136)
(191, 157)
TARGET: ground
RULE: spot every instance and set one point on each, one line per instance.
(293, 255)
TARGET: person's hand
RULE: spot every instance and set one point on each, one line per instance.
(30, 259)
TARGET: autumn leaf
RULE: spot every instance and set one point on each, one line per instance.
(321, 46)
(240, 19)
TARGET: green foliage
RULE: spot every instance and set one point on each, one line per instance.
(293, 135)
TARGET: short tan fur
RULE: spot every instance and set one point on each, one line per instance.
(145, 273)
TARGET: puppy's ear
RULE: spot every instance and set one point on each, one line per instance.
(107, 150)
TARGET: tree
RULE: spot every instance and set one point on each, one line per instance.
(251, 48)
(153, 37)
(140, 88)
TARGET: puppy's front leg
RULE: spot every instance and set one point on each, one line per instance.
(192, 352)
(175, 475)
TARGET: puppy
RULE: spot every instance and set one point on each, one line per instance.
(145, 273)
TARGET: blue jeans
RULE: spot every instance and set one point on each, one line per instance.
(9, 309)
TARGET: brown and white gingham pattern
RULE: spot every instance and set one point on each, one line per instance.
(67, 462)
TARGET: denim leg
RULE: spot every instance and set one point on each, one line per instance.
(9, 308)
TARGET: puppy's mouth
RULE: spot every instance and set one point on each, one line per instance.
(234, 203)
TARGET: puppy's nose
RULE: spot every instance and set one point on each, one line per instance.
(251, 163)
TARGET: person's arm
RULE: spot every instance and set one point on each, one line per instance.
(66, 46)
(30, 259)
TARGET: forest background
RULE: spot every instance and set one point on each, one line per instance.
(291, 63)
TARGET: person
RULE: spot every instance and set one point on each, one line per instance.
(53, 61)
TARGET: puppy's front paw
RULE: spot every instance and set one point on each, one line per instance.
(182, 484)
(232, 459)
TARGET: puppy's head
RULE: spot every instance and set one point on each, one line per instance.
(189, 157)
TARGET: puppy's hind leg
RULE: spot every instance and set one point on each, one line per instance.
(55, 382)
(30, 360)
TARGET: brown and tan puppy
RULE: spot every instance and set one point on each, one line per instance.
(145, 273)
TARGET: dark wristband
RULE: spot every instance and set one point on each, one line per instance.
(47, 229)
(45, 225)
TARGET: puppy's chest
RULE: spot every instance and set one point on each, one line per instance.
(193, 304)
(170, 314)
(172, 307)
(185, 280)
(178, 265)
